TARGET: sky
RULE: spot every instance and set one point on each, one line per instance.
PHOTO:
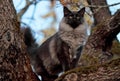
(42, 8)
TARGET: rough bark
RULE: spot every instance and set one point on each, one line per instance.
(106, 72)
(14, 61)
(100, 13)
(94, 51)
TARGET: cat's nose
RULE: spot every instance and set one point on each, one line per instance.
(74, 19)
(74, 16)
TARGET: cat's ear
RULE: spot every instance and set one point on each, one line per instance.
(81, 12)
(66, 11)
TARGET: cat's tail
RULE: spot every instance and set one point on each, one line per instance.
(29, 41)
(28, 37)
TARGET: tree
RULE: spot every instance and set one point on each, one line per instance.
(14, 61)
(15, 64)
(98, 11)
(105, 31)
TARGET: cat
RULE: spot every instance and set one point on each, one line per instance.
(61, 51)
(73, 32)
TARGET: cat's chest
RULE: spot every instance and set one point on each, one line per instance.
(73, 38)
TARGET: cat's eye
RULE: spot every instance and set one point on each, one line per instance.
(70, 17)
(78, 17)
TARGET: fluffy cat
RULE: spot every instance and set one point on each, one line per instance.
(73, 32)
(62, 50)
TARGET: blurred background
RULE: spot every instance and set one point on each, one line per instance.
(43, 16)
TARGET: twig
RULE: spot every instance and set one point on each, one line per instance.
(25, 8)
(103, 6)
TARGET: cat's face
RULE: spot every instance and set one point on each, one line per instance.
(74, 19)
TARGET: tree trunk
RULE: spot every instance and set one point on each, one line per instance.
(100, 13)
(98, 47)
(14, 61)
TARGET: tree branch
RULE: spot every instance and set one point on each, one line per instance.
(28, 3)
(96, 45)
(105, 72)
(100, 13)
(102, 6)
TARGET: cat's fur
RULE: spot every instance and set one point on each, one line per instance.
(73, 32)
(62, 50)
